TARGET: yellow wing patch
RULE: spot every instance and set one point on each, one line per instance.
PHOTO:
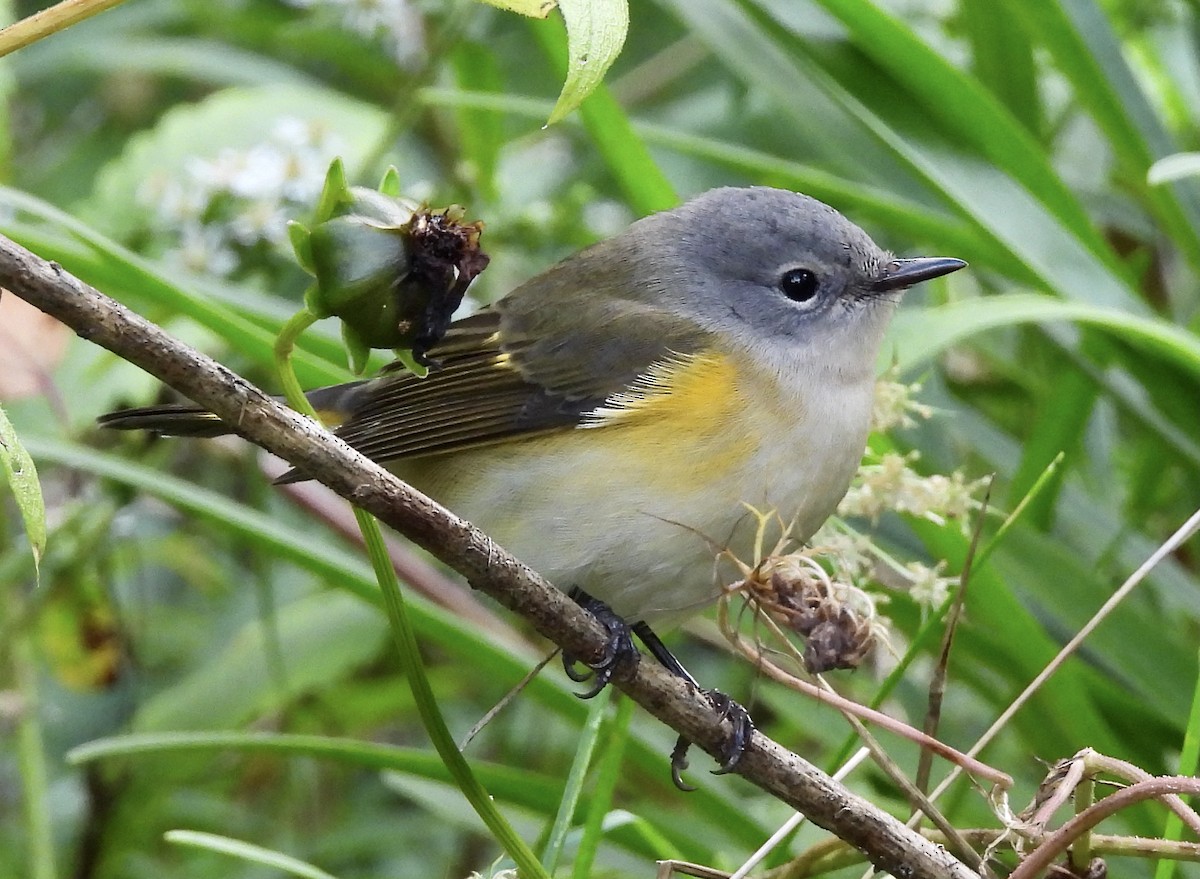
(684, 412)
(680, 388)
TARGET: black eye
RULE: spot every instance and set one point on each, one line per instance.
(799, 285)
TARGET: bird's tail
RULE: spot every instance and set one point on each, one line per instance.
(169, 420)
(333, 405)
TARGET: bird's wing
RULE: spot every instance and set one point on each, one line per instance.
(505, 373)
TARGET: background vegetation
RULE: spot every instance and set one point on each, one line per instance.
(156, 151)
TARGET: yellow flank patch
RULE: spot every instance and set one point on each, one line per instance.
(689, 407)
(331, 418)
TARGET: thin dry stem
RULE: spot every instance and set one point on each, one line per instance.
(506, 699)
(841, 703)
(1097, 762)
(1181, 535)
(1058, 842)
(961, 848)
(937, 681)
(49, 21)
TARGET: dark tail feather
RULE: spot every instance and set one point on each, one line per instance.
(170, 420)
(333, 405)
(179, 420)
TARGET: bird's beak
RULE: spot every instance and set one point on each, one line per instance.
(902, 273)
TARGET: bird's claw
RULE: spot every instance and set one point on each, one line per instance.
(735, 746)
(679, 762)
(619, 650)
(742, 728)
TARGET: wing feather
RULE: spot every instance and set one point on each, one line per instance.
(539, 360)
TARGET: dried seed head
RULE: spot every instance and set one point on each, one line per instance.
(837, 620)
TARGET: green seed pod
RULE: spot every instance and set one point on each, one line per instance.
(392, 271)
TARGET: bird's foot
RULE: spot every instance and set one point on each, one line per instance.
(731, 752)
(620, 654)
(619, 651)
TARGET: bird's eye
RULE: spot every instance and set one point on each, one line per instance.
(799, 285)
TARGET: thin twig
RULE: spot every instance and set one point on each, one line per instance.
(1097, 762)
(1044, 855)
(961, 848)
(937, 681)
(834, 699)
(506, 699)
(49, 21)
(1181, 535)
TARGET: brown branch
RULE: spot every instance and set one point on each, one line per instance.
(890, 845)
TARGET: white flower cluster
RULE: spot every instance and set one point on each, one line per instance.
(853, 557)
(894, 404)
(890, 483)
(396, 22)
(242, 197)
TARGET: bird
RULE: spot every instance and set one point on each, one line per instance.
(613, 420)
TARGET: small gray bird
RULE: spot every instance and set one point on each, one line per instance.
(609, 420)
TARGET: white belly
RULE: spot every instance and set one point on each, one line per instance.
(645, 538)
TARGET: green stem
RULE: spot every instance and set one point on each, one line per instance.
(588, 737)
(285, 343)
(33, 767)
(600, 802)
(1189, 758)
(1080, 852)
(406, 638)
(31, 756)
(42, 24)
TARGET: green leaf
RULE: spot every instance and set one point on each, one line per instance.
(325, 636)
(334, 192)
(517, 785)
(920, 334)
(1084, 46)
(390, 183)
(964, 110)
(481, 131)
(596, 32)
(639, 176)
(1002, 59)
(1055, 430)
(246, 851)
(22, 478)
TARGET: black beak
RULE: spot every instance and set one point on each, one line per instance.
(902, 273)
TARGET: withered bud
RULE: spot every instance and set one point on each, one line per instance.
(843, 640)
(836, 619)
(392, 271)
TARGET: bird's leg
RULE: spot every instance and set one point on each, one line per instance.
(619, 650)
(738, 717)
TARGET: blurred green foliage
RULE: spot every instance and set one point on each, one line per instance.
(157, 151)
